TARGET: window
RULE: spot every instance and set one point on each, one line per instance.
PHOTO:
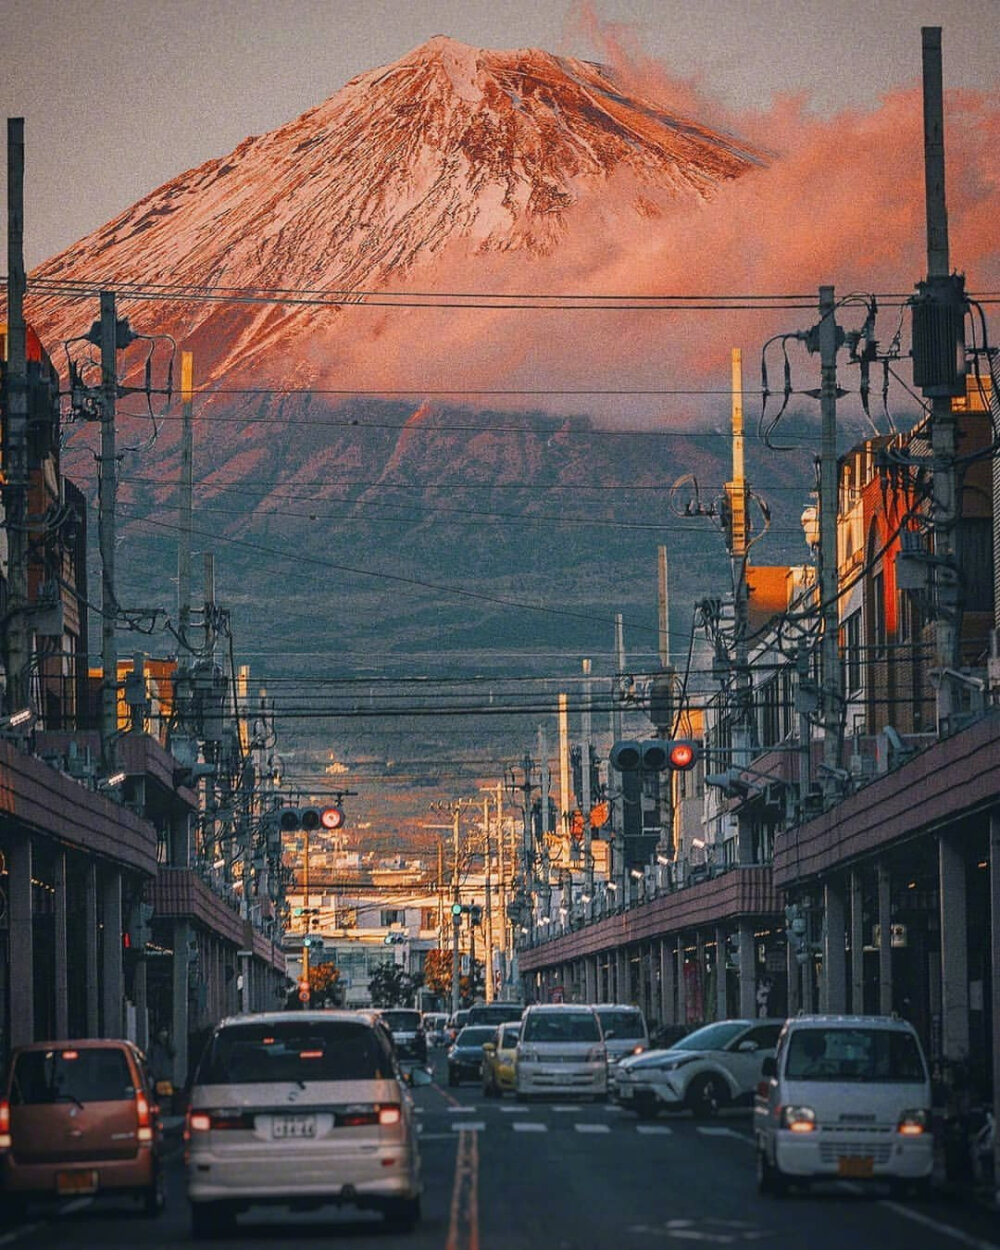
(560, 1026)
(392, 915)
(67, 1075)
(850, 644)
(259, 1053)
(879, 637)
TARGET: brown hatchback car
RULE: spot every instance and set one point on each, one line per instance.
(80, 1117)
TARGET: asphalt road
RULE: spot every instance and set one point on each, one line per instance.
(560, 1176)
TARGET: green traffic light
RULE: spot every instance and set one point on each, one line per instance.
(456, 909)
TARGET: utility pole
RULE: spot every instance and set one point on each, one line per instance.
(15, 451)
(830, 340)
(456, 919)
(107, 498)
(186, 500)
(939, 370)
(585, 785)
(488, 905)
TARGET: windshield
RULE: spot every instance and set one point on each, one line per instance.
(712, 1036)
(402, 1021)
(560, 1026)
(310, 1051)
(82, 1076)
(854, 1055)
(624, 1024)
(508, 1037)
(475, 1035)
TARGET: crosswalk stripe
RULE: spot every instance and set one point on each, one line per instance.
(529, 1126)
(662, 1129)
(709, 1131)
(592, 1128)
(477, 1126)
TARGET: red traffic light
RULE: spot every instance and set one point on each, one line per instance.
(682, 754)
(331, 818)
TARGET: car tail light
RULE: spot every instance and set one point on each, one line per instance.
(912, 1123)
(4, 1124)
(390, 1114)
(144, 1118)
(197, 1122)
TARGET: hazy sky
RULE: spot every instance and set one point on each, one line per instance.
(118, 98)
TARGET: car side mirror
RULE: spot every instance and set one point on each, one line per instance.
(769, 1067)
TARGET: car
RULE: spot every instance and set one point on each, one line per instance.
(845, 1097)
(715, 1066)
(301, 1109)
(407, 1028)
(495, 1013)
(560, 1050)
(457, 1022)
(500, 1061)
(465, 1054)
(80, 1117)
(625, 1034)
(435, 1027)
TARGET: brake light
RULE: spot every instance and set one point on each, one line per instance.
(391, 1114)
(198, 1122)
(144, 1132)
(4, 1124)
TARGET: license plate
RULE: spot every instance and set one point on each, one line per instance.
(82, 1182)
(856, 1166)
(293, 1126)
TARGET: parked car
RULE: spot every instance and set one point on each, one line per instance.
(845, 1097)
(625, 1034)
(500, 1061)
(407, 1029)
(301, 1108)
(435, 1027)
(80, 1117)
(561, 1050)
(465, 1054)
(712, 1067)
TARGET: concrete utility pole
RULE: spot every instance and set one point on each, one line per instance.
(585, 784)
(456, 919)
(939, 370)
(15, 451)
(107, 499)
(830, 338)
(488, 905)
(186, 500)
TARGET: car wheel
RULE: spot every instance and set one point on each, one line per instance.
(210, 1219)
(770, 1181)
(154, 1199)
(403, 1215)
(706, 1094)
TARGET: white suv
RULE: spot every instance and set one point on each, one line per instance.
(845, 1097)
(301, 1109)
(710, 1068)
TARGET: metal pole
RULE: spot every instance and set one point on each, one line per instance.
(488, 907)
(586, 729)
(456, 919)
(186, 502)
(107, 495)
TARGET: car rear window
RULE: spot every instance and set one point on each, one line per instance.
(827, 1054)
(624, 1024)
(560, 1026)
(325, 1051)
(68, 1075)
(402, 1021)
(475, 1035)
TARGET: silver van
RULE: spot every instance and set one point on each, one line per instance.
(845, 1097)
(560, 1050)
(301, 1109)
(625, 1033)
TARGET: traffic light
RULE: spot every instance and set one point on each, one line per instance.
(309, 818)
(654, 755)
(475, 914)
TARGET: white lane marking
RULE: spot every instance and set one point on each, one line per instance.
(461, 1110)
(592, 1128)
(529, 1126)
(946, 1230)
(662, 1129)
(567, 1107)
(472, 1126)
(509, 1108)
(707, 1131)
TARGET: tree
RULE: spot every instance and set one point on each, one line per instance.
(437, 973)
(323, 986)
(390, 986)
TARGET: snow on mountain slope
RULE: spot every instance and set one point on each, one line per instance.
(450, 147)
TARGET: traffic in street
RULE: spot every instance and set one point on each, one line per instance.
(553, 1174)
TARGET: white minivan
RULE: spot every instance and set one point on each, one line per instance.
(560, 1050)
(844, 1097)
